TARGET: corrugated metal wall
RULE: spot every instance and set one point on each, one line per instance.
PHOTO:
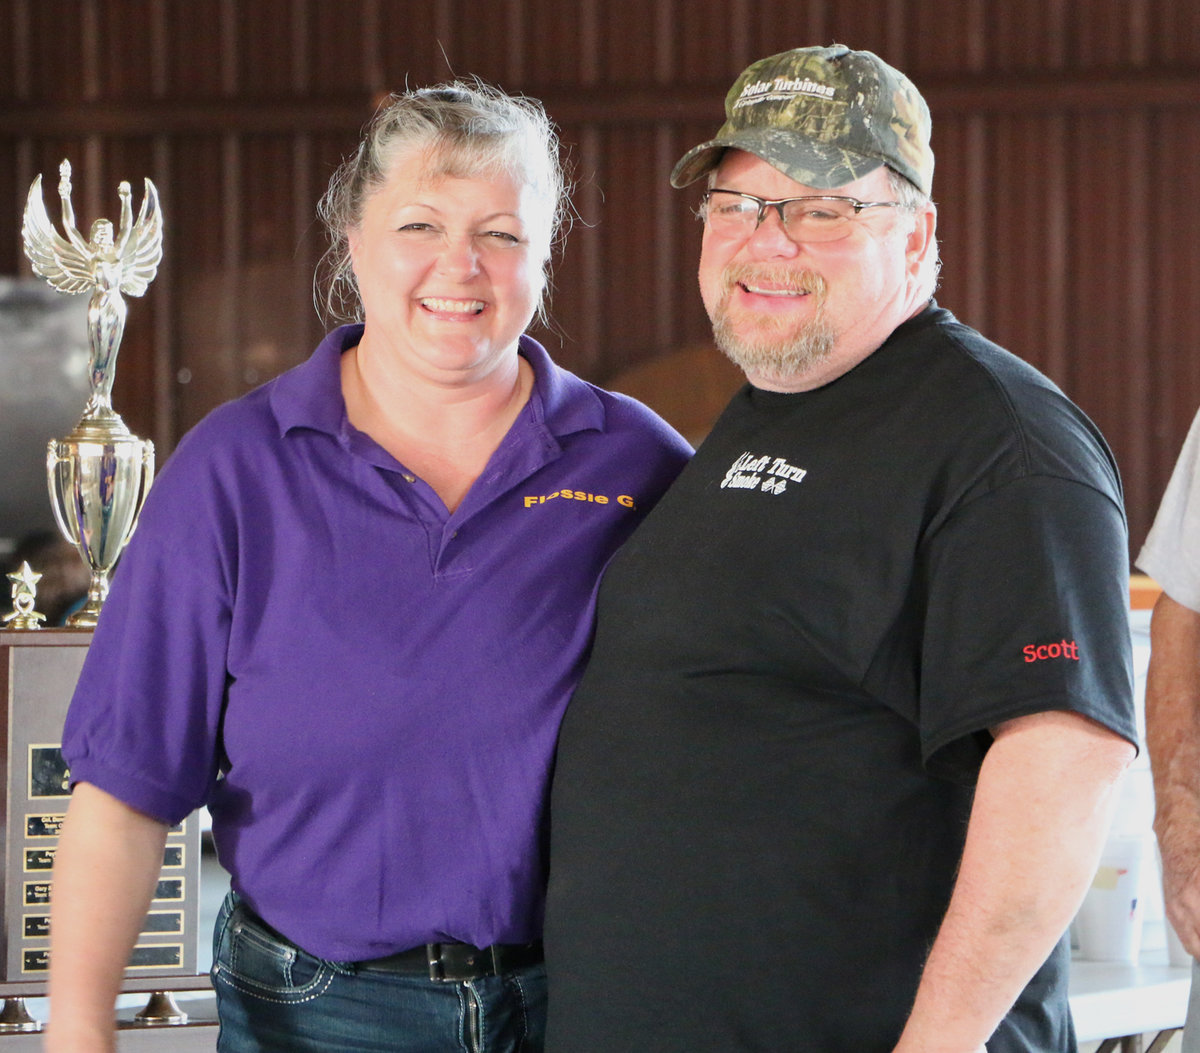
(1067, 136)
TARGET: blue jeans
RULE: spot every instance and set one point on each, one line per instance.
(273, 997)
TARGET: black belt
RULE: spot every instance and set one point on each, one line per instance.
(457, 961)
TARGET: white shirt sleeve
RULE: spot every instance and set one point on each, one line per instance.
(1171, 554)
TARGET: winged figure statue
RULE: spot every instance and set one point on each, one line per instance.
(105, 265)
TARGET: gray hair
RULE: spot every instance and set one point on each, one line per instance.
(468, 130)
(913, 200)
(910, 196)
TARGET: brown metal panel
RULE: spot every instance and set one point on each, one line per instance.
(197, 48)
(555, 50)
(195, 220)
(419, 44)
(882, 26)
(962, 191)
(643, 287)
(690, 325)
(628, 50)
(15, 58)
(123, 46)
(946, 37)
(1173, 357)
(629, 171)
(265, 35)
(318, 161)
(491, 40)
(341, 48)
(665, 240)
(959, 239)
(1174, 30)
(777, 27)
(1107, 33)
(1025, 36)
(57, 48)
(705, 33)
(270, 331)
(579, 273)
(1107, 290)
(1024, 264)
(164, 351)
(1133, 346)
(266, 177)
(11, 257)
(206, 286)
(570, 268)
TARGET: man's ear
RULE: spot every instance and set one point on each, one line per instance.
(920, 248)
(921, 237)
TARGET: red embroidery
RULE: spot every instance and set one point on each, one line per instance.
(1041, 652)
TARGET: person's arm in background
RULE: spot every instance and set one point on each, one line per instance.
(105, 869)
(1173, 742)
(1041, 813)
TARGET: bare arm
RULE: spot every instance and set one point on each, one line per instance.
(1039, 821)
(1173, 741)
(105, 870)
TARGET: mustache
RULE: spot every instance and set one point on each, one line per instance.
(791, 279)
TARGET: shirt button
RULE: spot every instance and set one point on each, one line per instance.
(409, 478)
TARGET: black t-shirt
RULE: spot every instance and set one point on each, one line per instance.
(764, 780)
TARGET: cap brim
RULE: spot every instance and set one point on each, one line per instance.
(811, 163)
(696, 163)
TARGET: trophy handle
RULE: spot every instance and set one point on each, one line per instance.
(147, 479)
(53, 458)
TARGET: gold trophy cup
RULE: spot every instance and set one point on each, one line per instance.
(100, 473)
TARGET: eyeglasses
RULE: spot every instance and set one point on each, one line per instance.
(731, 213)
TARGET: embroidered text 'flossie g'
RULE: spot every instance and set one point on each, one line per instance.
(578, 495)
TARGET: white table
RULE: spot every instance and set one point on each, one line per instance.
(1111, 1001)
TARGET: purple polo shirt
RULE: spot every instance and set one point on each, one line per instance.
(364, 688)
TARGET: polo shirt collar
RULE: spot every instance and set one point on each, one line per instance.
(561, 402)
(310, 394)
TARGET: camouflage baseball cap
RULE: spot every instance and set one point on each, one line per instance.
(824, 117)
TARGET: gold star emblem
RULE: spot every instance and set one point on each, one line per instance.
(25, 579)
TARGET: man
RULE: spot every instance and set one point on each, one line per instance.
(1171, 555)
(841, 768)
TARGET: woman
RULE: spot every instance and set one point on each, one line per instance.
(349, 622)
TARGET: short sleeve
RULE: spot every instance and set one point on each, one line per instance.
(1171, 553)
(1027, 612)
(144, 721)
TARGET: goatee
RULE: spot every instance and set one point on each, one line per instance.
(767, 346)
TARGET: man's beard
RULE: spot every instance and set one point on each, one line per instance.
(773, 347)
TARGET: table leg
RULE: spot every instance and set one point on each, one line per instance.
(1160, 1043)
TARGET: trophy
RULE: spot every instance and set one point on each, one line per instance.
(24, 598)
(100, 473)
